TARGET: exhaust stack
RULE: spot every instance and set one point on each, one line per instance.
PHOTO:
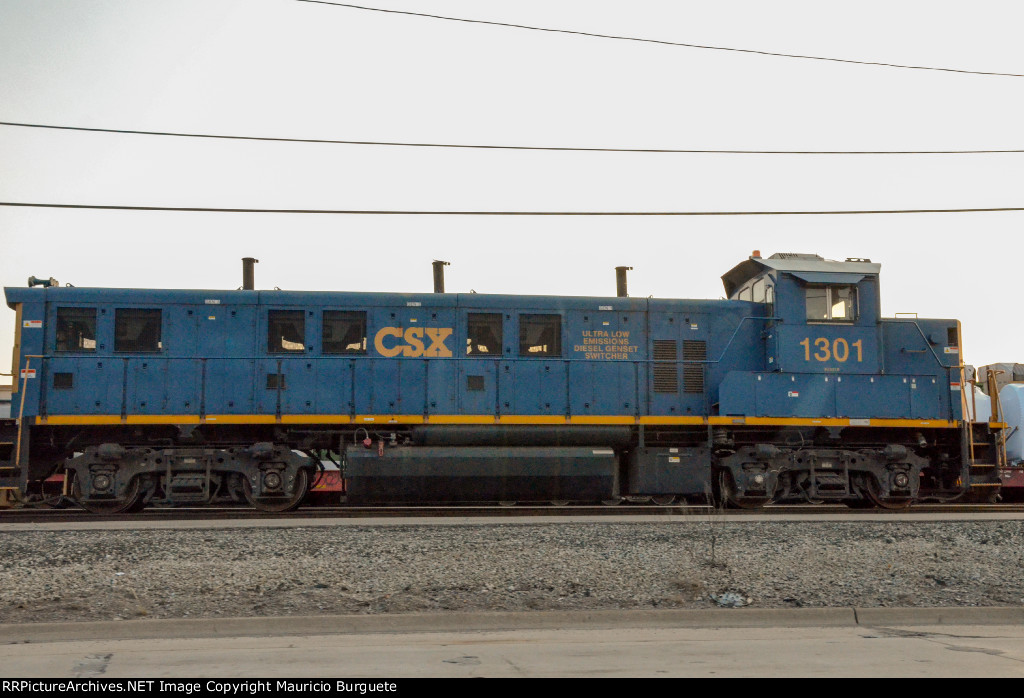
(439, 275)
(248, 273)
(620, 281)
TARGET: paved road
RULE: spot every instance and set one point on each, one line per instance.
(807, 642)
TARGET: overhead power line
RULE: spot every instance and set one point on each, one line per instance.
(508, 147)
(365, 212)
(659, 41)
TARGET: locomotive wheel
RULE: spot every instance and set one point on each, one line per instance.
(138, 505)
(278, 504)
(727, 493)
(664, 500)
(612, 502)
(893, 503)
(559, 502)
(132, 502)
(236, 488)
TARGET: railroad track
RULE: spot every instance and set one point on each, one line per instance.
(32, 515)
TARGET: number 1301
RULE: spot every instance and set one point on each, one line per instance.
(838, 349)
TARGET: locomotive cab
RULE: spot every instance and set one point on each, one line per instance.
(833, 370)
(821, 327)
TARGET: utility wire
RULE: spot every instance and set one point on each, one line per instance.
(362, 212)
(658, 41)
(510, 147)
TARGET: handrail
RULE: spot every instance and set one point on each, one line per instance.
(735, 332)
(1001, 437)
(927, 342)
(21, 408)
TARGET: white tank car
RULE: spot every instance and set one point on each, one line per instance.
(1011, 397)
(980, 408)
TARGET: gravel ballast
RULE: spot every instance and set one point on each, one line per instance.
(268, 571)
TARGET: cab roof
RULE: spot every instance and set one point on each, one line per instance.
(810, 267)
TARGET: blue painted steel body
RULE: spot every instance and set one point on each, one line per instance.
(757, 359)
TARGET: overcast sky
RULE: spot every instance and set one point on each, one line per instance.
(293, 69)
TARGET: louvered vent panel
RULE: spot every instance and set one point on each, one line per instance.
(693, 373)
(666, 375)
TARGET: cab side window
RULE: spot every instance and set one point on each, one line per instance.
(843, 302)
(76, 329)
(835, 303)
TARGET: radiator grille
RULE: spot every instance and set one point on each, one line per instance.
(666, 373)
(693, 373)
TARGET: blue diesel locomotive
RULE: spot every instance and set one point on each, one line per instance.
(795, 388)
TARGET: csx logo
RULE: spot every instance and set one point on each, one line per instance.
(409, 342)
